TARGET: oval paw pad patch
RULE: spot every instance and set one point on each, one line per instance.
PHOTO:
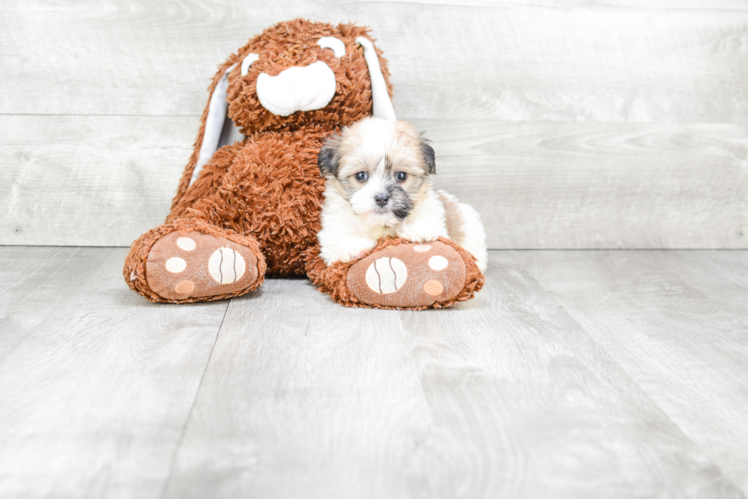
(408, 275)
(226, 265)
(187, 265)
(386, 275)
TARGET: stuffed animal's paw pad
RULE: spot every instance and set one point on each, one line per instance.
(386, 275)
(408, 275)
(186, 244)
(226, 266)
(182, 266)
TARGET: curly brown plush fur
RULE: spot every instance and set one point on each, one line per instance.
(293, 43)
(265, 192)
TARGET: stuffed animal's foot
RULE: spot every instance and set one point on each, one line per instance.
(408, 275)
(196, 265)
(199, 265)
(398, 274)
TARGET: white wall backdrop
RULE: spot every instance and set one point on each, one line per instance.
(577, 124)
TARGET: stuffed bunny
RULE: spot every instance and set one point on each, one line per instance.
(249, 200)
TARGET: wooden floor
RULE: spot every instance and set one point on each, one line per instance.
(573, 374)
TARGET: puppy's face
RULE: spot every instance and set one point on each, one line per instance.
(381, 167)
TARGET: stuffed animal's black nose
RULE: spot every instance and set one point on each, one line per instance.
(382, 199)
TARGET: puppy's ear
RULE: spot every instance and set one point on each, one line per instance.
(327, 160)
(429, 158)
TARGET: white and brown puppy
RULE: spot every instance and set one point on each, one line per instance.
(378, 184)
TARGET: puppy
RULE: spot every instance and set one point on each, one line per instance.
(378, 184)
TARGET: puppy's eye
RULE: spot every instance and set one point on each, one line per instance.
(401, 176)
(362, 176)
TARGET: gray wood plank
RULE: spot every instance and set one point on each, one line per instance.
(502, 396)
(618, 61)
(302, 380)
(598, 185)
(88, 180)
(677, 322)
(96, 383)
(81, 180)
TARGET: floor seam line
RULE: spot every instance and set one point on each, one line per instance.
(187, 420)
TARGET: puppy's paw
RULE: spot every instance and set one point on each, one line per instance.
(358, 255)
(420, 233)
(348, 250)
(360, 248)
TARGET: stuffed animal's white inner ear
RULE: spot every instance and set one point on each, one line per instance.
(247, 62)
(330, 42)
(382, 104)
(213, 123)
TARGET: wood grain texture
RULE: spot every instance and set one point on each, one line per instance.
(105, 180)
(503, 396)
(599, 185)
(613, 373)
(614, 61)
(88, 180)
(677, 322)
(96, 384)
(615, 124)
(578, 125)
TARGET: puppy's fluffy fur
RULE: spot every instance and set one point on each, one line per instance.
(378, 184)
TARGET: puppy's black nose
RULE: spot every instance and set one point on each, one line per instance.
(382, 199)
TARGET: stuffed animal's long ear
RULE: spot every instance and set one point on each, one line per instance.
(382, 104)
(214, 118)
(214, 123)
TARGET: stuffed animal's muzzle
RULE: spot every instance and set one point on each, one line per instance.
(297, 89)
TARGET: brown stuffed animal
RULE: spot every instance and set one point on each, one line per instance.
(249, 208)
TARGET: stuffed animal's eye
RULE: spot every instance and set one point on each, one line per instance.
(401, 176)
(247, 62)
(362, 176)
(330, 42)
